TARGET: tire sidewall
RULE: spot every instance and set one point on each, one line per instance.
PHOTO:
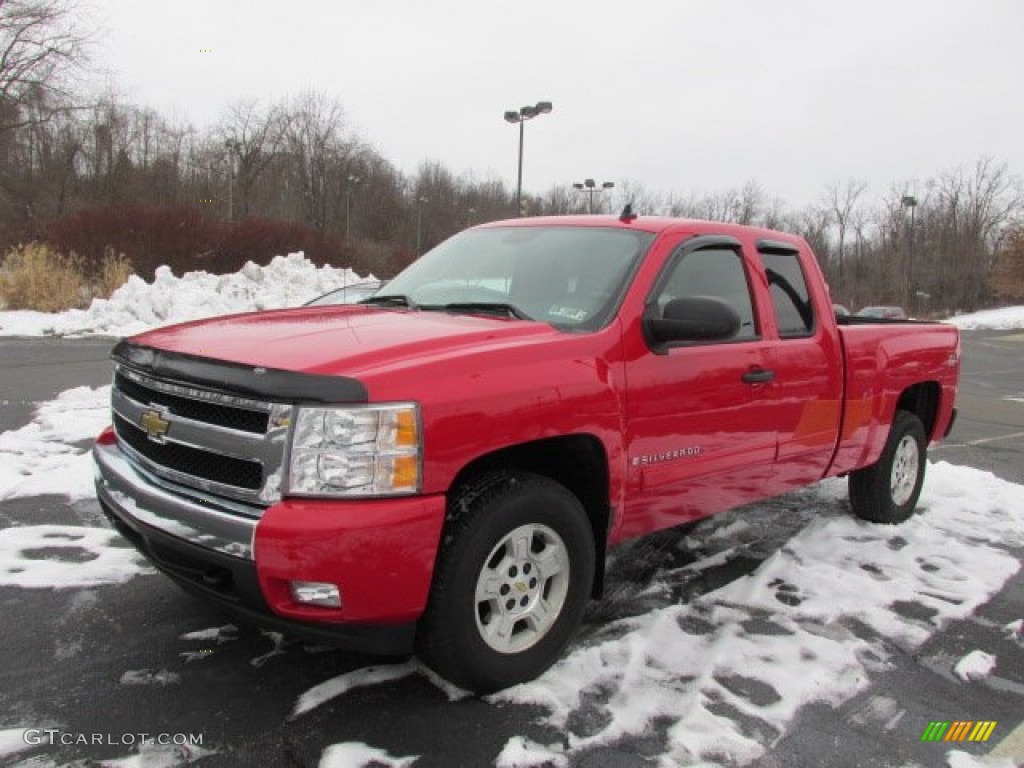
(534, 502)
(905, 424)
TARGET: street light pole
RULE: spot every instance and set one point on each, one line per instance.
(419, 223)
(521, 116)
(232, 145)
(352, 181)
(591, 186)
(909, 201)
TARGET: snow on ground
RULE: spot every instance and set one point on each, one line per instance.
(12, 740)
(717, 678)
(721, 677)
(341, 684)
(66, 556)
(1006, 318)
(353, 754)
(520, 752)
(958, 759)
(216, 635)
(149, 677)
(42, 457)
(137, 306)
(150, 754)
(976, 665)
(725, 674)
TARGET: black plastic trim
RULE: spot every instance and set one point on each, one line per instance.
(776, 246)
(271, 384)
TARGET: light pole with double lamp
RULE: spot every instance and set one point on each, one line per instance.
(589, 185)
(521, 116)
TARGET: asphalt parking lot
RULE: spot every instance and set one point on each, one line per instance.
(140, 657)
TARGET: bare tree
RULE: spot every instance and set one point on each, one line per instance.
(645, 202)
(316, 148)
(40, 47)
(253, 136)
(841, 199)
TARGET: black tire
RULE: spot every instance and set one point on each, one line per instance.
(888, 490)
(538, 595)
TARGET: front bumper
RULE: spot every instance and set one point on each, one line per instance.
(379, 552)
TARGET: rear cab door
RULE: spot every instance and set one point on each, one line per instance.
(805, 353)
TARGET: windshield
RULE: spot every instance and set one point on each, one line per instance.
(570, 277)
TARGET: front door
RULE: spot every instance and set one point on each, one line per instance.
(700, 438)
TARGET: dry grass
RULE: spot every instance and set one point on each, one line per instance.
(114, 272)
(36, 276)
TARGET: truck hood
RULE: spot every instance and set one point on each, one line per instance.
(350, 340)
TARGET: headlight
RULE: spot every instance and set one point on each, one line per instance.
(355, 451)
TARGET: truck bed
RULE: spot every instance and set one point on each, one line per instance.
(883, 359)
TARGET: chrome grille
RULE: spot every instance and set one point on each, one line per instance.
(211, 441)
(243, 419)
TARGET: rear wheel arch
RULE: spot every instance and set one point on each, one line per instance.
(922, 400)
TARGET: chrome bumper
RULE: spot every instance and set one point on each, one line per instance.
(136, 501)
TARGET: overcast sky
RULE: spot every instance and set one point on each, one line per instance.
(684, 95)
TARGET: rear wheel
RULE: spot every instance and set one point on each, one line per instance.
(511, 582)
(888, 490)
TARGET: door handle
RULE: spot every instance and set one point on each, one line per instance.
(758, 376)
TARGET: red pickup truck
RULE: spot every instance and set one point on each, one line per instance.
(443, 467)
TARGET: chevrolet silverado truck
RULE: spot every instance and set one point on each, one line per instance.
(442, 468)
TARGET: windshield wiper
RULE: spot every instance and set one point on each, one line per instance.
(488, 307)
(391, 300)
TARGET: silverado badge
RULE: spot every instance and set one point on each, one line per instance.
(155, 425)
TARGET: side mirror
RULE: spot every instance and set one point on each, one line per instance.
(699, 318)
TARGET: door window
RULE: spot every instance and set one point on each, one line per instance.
(790, 298)
(714, 272)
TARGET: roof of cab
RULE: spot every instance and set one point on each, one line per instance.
(656, 224)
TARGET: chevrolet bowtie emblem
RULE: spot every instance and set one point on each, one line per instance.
(155, 425)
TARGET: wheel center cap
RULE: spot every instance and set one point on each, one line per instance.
(521, 586)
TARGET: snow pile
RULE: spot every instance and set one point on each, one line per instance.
(1007, 318)
(137, 306)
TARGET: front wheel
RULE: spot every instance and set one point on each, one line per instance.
(511, 582)
(887, 491)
